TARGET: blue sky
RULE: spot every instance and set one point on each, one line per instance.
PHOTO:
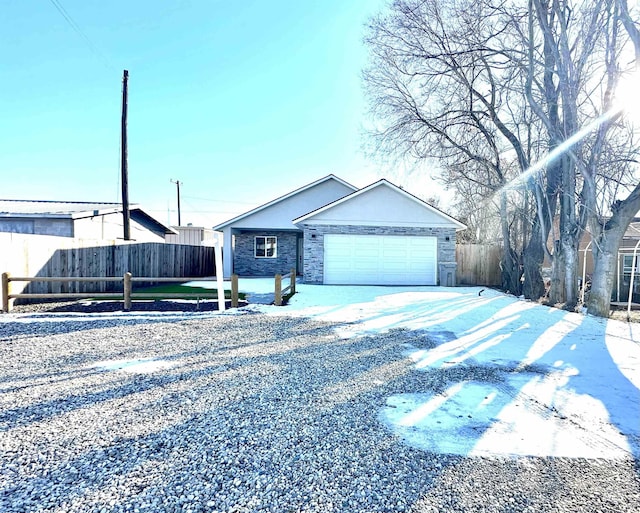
(240, 101)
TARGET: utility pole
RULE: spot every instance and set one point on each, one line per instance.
(125, 177)
(177, 182)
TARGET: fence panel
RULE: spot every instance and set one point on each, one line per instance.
(478, 264)
(60, 257)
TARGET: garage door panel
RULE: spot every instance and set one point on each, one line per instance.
(380, 259)
(395, 253)
(364, 252)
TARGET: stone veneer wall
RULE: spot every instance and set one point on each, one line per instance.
(314, 243)
(246, 264)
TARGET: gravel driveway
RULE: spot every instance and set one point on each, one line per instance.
(247, 413)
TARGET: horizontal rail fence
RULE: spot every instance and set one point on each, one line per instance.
(282, 293)
(126, 293)
(44, 257)
(478, 264)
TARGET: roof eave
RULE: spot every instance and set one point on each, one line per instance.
(221, 226)
(38, 215)
(143, 217)
(93, 213)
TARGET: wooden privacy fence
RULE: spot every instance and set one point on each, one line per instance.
(41, 257)
(126, 295)
(478, 264)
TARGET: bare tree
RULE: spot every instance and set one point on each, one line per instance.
(442, 91)
(607, 231)
(490, 88)
(582, 52)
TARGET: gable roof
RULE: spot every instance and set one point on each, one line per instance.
(283, 198)
(379, 183)
(77, 210)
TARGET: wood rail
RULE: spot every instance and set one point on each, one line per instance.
(290, 290)
(127, 295)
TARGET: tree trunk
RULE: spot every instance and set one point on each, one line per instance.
(564, 273)
(532, 259)
(571, 280)
(604, 275)
(557, 292)
(509, 265)
(510, 272)
(605, 254)
(571, 259)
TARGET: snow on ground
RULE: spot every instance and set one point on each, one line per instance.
(559, 383)
(568, 384)
(137, 366)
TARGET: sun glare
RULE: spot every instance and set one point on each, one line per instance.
(627, 101)
(627, 97)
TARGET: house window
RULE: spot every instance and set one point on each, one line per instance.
(266, 247)
(627, 266)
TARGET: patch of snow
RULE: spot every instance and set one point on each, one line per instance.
(137, 366)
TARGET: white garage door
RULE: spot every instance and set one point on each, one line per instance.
(380, 260)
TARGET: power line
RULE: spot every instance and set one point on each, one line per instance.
(219, 200)
(198, 211)
(63, 12)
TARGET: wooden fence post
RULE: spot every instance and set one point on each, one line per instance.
(127, 291)
(5, 292)
(234, 291)
(278, 292)
(293, 281)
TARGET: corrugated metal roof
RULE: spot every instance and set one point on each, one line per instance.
(77, 210)
(57, 208)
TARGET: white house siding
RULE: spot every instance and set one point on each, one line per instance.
(110, 226)
(277, 216)
(189, 235)
(382, 206)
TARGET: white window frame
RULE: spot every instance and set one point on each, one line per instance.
(628, 266)
(265, 241)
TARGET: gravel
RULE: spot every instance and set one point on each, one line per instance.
(247, 413)
(83, 306)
